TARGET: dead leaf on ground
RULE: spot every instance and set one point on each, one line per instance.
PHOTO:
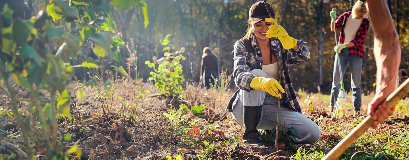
(183, 150)
(105, 154)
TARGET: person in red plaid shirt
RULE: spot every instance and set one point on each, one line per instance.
(350, 47)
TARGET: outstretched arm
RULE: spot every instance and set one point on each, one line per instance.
(387, 56)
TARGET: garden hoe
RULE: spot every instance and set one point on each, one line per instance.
(342, 96)
(391, 101)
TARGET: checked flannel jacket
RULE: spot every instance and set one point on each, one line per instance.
(358, 49)
(245, 61)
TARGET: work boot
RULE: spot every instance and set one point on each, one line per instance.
(252, 116)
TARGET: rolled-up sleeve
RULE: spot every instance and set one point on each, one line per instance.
(339, 23)
(241, 73)
(298, 56)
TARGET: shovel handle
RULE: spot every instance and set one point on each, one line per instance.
(391, 101)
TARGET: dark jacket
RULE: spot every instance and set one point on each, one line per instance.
(209, 62)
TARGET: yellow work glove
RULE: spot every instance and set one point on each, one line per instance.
(268, 85)
(279, 32)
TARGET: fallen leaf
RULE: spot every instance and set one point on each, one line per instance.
(132, 148)
(183, 150)
(194, 132)
(281, 146)
(105, 154)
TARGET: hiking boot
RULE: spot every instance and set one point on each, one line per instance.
(252, 116)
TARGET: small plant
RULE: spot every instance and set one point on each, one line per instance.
(198, 110)
(168, 77)
(312, 154)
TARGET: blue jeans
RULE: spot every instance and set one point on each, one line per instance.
(208, 79)
(356, 66)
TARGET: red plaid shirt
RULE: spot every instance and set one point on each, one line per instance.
(358, 49)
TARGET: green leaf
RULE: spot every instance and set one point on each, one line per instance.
(66, 112)
(69, 69)
(116, 41)
(27, 51)
(87, 32)
(117, 57)
(74, 149)
(165, 40)
(54, 65)
(47, 110)
(69, 25)
(183, 58)
(80, 94)
(8, 45)
(7, 12)
(104, 8)
(78, 3)
(102, 40)
(67, 136)
(63, 103)
(124, 4)
(107, 88)
(51, 11)
(56, 32)
(91, 12)
(21, 81)
(89, 65)
(91, 83)
(111, 23)
(145, 14)
(116, 68)
(212, 127)
(99, 51)
(72, 45)
(67, 12)
(106, 27)
(20, 31)
(121, 69)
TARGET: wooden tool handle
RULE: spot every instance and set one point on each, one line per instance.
(391, 101)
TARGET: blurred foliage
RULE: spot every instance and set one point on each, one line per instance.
(28, 56)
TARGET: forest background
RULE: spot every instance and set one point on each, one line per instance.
(218, 24)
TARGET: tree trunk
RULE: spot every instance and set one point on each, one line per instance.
(211, 12)
(126, 22)
(284, 21)
(219, 50)
(318, 9)
(182, 41)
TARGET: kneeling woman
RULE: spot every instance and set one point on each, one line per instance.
(261, 73)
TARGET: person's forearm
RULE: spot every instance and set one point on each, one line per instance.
(332, 25)
(349, 44)
(387, 48)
